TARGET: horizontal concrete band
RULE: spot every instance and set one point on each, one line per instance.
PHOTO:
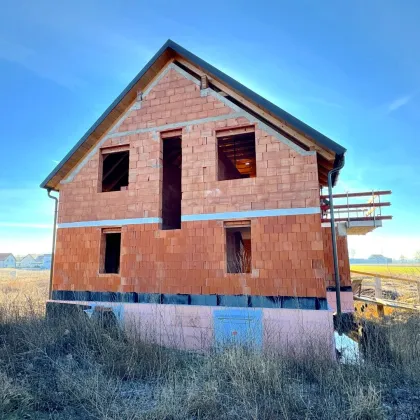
(196, 217)
(250, 214)
(111, 222)
(241, 301)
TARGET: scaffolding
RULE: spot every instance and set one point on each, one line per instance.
(362, 212)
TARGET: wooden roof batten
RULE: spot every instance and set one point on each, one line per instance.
(326, 149)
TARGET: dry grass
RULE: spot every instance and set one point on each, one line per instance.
(394, 289)
(76, 369)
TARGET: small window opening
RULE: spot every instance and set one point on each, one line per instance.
(115, 171)
(236, 156)
(171, 183)
(238, 249)
(112, 243)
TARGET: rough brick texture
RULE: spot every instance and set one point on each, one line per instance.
(343, 259)
(285, 178)
(287, 259)
(287, 252)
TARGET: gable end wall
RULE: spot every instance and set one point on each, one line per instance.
(282, 202)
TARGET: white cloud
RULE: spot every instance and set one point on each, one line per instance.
(31, 245)
(400, 102)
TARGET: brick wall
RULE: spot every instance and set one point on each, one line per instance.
(343, 258)
(287, 251)
(285, 178)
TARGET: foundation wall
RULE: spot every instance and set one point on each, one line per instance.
(347, 302)
(204, 327)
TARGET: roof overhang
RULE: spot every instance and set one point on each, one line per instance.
(330, 153)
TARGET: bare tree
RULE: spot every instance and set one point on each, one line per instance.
(402, 258)
(417, 256)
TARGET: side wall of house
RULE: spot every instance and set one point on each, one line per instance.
(343, 258)
(282, 203)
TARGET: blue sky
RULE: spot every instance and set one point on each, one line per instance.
(351, 70)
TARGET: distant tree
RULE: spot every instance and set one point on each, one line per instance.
(417, 256)
(402, 258)
(352, 253)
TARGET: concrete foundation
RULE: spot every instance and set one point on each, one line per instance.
(347, 303)
(201, 328)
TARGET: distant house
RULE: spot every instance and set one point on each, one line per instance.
(373, 259)
(34, 261)
(47, 261)
(7, 261)
(29, 261)
(379, 259)
(43, 261)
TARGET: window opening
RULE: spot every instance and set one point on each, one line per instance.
(171, 183)
(238, 249)
(112, 252)
(115, 167)
(236, 154)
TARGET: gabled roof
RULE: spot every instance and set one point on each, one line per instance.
(32, 256)
(172, 51)
(4, 256)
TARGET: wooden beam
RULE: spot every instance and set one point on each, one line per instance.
(361, 194)
(226, 132)
(282, 125)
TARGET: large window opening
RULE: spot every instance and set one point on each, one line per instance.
(115, 165)
(238, 249)
(111, 244)
(171, 182)
(236, 154)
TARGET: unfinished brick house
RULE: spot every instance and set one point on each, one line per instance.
(194, 198)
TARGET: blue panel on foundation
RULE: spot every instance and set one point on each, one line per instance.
(81, 296)
(290, 303)
(234, 326)
(307, 303)
(68, 295)
(128, 297)
(265, 301)
(103, 297)
(96, 296)
(56, 295)
(175, 299)
(239, 301)
(149, 298)
(204, 300)
(323, 304)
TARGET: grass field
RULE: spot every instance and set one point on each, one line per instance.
(75, 369)
(23, 291)
(390, 270)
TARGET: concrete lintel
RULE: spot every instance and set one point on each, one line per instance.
(116, 222)
(250, 214)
